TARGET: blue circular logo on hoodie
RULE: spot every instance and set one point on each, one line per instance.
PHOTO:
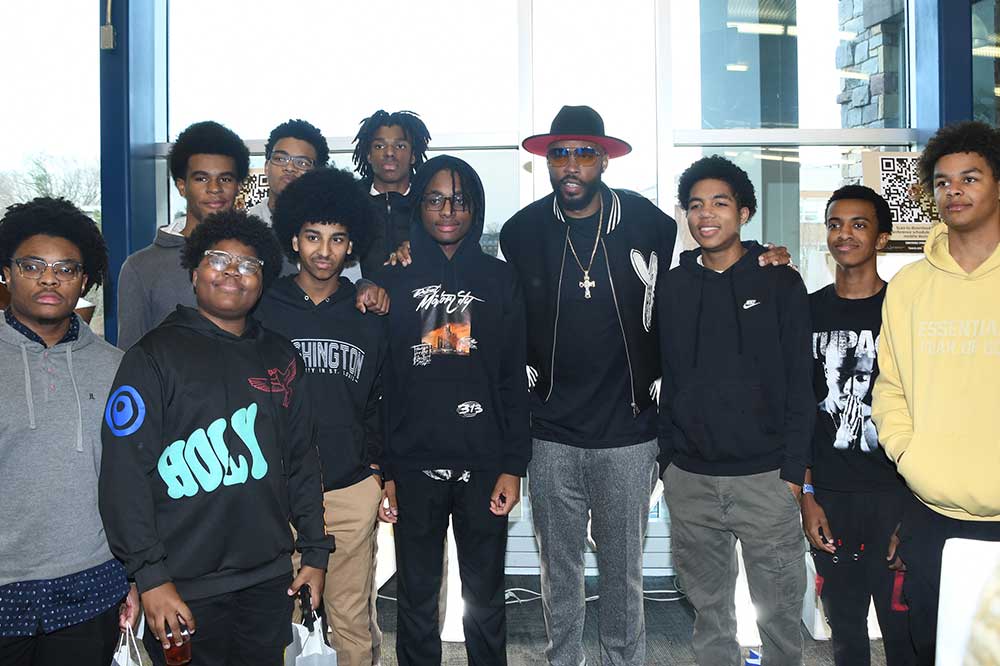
(125, 412)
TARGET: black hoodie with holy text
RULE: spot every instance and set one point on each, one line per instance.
(736, 397)
(209, 454)
(456, 393)
(343, 351)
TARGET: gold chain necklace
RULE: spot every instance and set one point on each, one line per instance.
(587, 283)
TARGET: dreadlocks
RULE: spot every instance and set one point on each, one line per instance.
(414, 128)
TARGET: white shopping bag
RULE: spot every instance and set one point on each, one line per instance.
(307, 647)
(127, 653)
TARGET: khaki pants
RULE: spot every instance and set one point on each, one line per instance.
(350, 515)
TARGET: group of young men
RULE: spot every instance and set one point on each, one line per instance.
(261, 387)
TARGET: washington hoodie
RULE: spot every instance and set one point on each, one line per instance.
(343, 351)
(456, 393)
(937, 395)
(209, 454)
(151, 284)
(50, 454)
(736, 396)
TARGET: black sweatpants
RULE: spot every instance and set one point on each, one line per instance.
(481, 538)
(858, 573)
(922, 538)
(90, 643)
(250, 627)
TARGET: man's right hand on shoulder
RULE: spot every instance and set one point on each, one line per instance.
(164, 608)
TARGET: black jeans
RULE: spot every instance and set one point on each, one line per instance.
(922, 538)
(858, 573)
(481, 538)
(90, 643)
(250, 627)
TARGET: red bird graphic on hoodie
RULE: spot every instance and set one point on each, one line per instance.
(276, 382)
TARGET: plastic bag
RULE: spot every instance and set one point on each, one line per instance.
(127, 653)
(308, 647)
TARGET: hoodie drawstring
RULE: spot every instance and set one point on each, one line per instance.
(79, 405)
(697, 318)
(27, 387)
(736, 314)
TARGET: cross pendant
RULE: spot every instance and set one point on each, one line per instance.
(586, 284)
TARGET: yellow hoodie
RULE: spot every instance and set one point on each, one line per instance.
(937, 398)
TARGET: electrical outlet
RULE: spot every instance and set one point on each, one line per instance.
(107, 37)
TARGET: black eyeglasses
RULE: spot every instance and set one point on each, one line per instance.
(34, 269)
(279, 158)
(220, 260)
(436, 201)
(585, 156)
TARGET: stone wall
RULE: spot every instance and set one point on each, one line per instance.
(875, 52)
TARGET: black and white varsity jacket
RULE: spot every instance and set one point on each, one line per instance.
(637, 240)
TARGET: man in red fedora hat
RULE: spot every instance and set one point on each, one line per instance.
(587, 257)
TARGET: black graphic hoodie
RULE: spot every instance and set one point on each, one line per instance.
(456, 394)
(736, 396)
(343, 351)
(209, 454)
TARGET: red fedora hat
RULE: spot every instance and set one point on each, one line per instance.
(577, 123)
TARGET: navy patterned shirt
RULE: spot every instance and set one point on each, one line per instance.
(32, 607)
(71, 334)
(42, 606)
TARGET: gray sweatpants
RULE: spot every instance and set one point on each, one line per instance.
(707, 515)
(565, 482)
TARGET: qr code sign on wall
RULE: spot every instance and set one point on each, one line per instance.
(894, 175)
(253, 191)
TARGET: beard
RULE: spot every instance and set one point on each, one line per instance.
(587, 194)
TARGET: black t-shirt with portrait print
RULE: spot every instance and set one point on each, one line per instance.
(847, 455)
(589, 406)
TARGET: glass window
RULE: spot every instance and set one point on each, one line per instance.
(333, 63)
(986, 61)
(51, 118)
(781, 63)
(604, 55)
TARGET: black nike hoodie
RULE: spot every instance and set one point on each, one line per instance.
(456, 393)
(736, 396)
(343, 351)
(209, 454)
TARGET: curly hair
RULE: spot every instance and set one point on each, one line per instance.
(970, 136)
(414, 128)
(46, 216)
(235, 225)
(208, 138)
(326, 196)
(718, 168)
(303, 131)
(859, 192)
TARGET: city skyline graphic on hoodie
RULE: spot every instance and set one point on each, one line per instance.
(445, 323)
(849, 365)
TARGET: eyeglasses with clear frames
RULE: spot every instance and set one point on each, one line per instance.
(436, 201)
(34, 269)
(220, 260)
(281, 158)
(585, 156)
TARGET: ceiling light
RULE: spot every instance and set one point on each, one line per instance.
(757, 28)
(737, 67)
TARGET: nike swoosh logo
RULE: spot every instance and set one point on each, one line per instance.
(750, 304)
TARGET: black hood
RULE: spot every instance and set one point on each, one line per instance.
(419, 237)
(288, 293)
(186, 317)
(689, 262)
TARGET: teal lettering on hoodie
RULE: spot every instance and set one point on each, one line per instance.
(202, 462)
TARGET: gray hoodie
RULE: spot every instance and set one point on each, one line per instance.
(151, 285)
(50, 454)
